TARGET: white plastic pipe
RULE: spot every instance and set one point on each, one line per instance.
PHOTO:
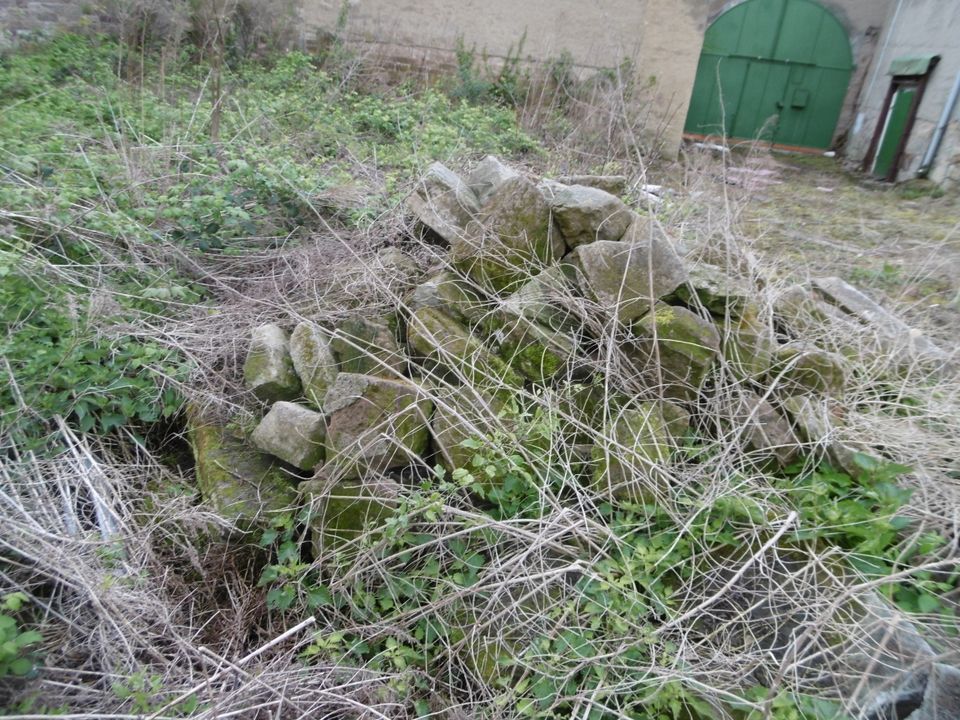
(941, 130)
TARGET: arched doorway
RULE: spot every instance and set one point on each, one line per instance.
(777, 70)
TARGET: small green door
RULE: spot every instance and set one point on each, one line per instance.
(777, 70)
(895, 126)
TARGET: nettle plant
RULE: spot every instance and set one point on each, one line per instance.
(485, 575)
(18, 657)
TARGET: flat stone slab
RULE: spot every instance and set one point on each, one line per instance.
(293, 433)
(613, 184)
(268, 370)
(856, 303)
(639, 443)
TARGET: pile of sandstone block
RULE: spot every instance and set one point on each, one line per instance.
(543, 282)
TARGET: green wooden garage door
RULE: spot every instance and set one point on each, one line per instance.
(776, 70)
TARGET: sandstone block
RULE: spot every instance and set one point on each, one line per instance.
(293, 433)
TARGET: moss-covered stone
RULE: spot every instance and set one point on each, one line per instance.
(585, 214)
(342, 511)
(677, 348)
(374, 424)
(631, 463)
(240, 483)
(368, 346)
(625, 278)
(536, 352)
(313, 361)
(268, 370)
(462, 414)
(449, 346)
(512, 239)
(453, 295)
(293, 433)
(747, 344)
(545, 299)
(800, 369)
(443, 202)
(716, 289)
(764, 432)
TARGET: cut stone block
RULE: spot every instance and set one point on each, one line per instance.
(293, 433)
(639, 441)
(512, 239)
(613, 184)
(368, 346)
(764, 431)
(535, 351)
(443, 202)
(451, 347)
(801, 369)
(374, 424)
(716, 289)
(342, 511)
(544, 299)
(452, 295)
(898, 334)
(313, 361)
(268, 370)
(488, 175)
(681, 345)
(625, 279)
(462, 414)
(239, 482)
(586, 214)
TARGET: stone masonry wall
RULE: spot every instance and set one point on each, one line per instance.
(20, 19)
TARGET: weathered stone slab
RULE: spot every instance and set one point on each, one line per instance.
(313, 361)
(816, 425)
(763, 430)
(293, 433)
(461, 414)
(443, 202)
(539, 353)
(488, 175)
(374, 423)
(680, 344)
(801, 369)
(613, 184)
(239, 482)
(586, 214)
(268, 370)
(544, 299)
(716, 289)
(451, 347)
(747, 344)
(888, 325)
(638, 442)
(625, 279)
(512, 239)
(368, 346)
(451, 294)
(342, 511)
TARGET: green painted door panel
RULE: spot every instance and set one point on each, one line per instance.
(776, 69)
(895, 126)
(758, 114)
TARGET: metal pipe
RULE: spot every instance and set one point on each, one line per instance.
(941, 130)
